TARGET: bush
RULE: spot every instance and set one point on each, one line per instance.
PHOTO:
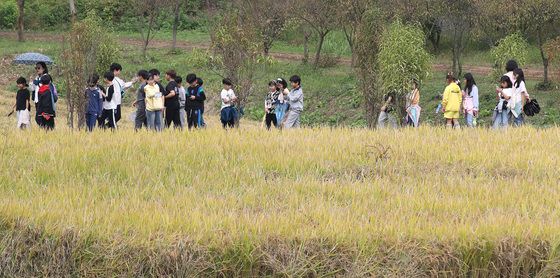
(512, 47)
(8, 14)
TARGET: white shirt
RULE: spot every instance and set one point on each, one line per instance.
(227, 97)
(118, 85)
(110, 105)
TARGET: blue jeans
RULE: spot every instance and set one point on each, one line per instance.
(501, 119)
(155, 120)
(518, 121)
(91, 121)
(470, 120)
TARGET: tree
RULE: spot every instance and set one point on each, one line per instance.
(512, 47)
(176, 15)
(148, 13)
(235, 54)
(91, 49)
(268, 16)
(402, 58)
(73, 11)
(21, 5)
(541, 18)
(459, 18)
(366, 49)
(350, 16)
(318, 14)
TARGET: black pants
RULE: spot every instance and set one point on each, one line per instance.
(118, 115)
(172, 115)
(140, 120)
(194, 118)
(44, 123)
(108, 119)
(271, 119)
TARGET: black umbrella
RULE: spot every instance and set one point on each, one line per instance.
(32, 59)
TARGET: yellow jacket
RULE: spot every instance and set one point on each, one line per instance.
(154, 98)
(452, 98)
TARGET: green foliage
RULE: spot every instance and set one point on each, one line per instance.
(8, 14)
(92, 49)
(236, 54)
(512, 47)
(402, 57)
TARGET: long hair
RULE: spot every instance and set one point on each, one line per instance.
(44, 66)
(520, 77)
(470, 83)
(505, 79)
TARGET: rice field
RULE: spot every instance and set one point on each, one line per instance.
(311, 202)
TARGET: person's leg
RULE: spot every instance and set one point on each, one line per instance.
(202, 123)
(158, 120)
(118, 114)
(139, 119)
(456, 124)
(289, 121)
(518, 121)
(182, 115)
(177, 119)
(268, 121)
(505, 119)
(274, 120)
(392, 121)
(189, 115)
(112, 118)
(449, 123)
(297, 123)
(469, 120)
(49, 124)
(381, 120)
(199, 120)
(150, 120)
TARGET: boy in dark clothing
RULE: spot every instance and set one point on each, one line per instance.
(172, 105)
(140, 102)
(94, 98)
(22, 105)
(45, 104)
(195, 102)
(109, 103)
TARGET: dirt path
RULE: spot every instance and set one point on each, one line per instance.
(532, 73)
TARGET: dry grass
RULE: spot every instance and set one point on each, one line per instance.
(321, 202)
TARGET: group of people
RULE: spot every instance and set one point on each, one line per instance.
(157, 106)
(511, 95)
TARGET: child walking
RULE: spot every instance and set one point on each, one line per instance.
(94, 99)
(228, 114)
(451, 104)
(22, 105)
(270, 105)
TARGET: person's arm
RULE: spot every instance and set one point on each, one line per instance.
(296, 95)
(170, 94)
(445, 99)
(110, 93)
(201, 96)
(476, 103)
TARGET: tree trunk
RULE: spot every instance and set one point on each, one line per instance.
(176, 24)
(322, 36)
(147, 38)
(306, 37)
(20, 4)
(457, 50)
(545, 59)
(73, 11)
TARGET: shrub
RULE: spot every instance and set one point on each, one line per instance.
(8, 14)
